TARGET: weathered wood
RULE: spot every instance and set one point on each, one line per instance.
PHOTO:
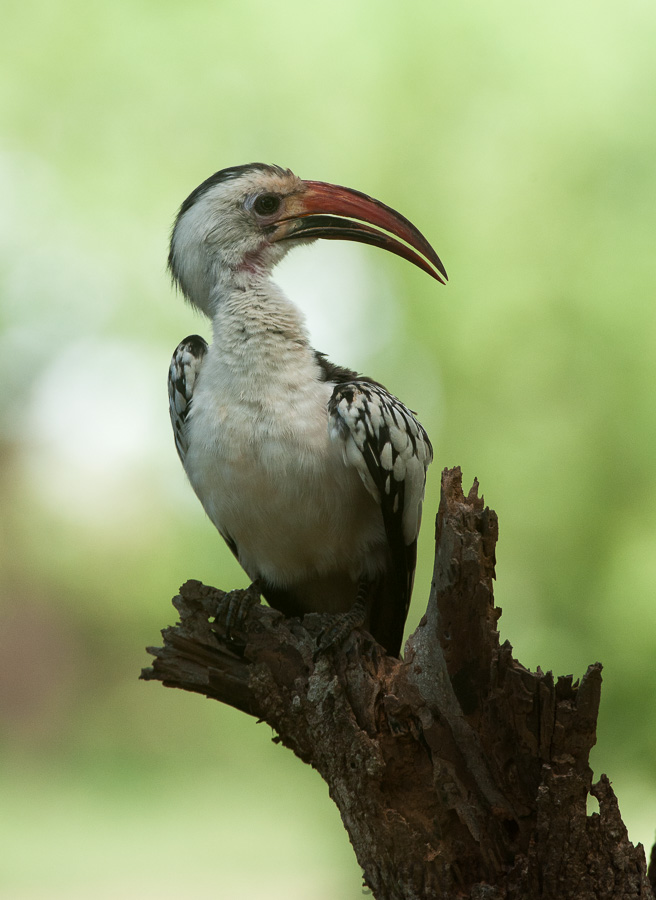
(458, 772)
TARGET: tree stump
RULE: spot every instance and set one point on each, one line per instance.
(458, 772)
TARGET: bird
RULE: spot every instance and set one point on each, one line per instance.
(313, 475)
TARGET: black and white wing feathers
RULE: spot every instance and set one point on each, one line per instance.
(391, 451)
(185, 366)
(183, 372)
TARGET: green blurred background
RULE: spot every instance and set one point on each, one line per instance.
(521, 138)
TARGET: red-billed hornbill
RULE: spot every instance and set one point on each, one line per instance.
(313, 475)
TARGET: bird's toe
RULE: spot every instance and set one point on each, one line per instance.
(234, 609)
(335, 635)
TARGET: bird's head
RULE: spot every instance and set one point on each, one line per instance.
(244, 219)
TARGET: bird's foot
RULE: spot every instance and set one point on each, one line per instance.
(234, 610)
(343, 625)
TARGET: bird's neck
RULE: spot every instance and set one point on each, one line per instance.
(260, 340)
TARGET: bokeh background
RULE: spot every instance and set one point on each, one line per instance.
(521, 138)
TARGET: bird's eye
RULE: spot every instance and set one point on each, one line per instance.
(267, 204)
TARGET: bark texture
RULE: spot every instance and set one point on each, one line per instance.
(458, 772)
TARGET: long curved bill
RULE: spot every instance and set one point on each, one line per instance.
(324, 210)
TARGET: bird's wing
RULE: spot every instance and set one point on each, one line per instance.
(185, 365)
(183, 372)
(391, 451)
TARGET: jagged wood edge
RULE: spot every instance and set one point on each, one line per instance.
(447, 768)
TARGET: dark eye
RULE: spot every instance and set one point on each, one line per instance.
(266, 204)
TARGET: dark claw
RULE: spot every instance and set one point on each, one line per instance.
(234, 610)
(342, 626)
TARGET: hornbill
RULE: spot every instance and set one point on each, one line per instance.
(312, 474)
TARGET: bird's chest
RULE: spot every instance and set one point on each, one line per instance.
(263, 432)
(274, 482)
(258, 457)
